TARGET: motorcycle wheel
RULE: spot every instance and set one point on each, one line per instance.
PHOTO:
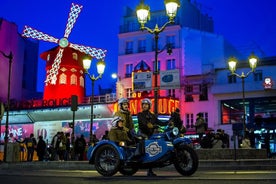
(186, 160)
(128, 171)
(107, 160)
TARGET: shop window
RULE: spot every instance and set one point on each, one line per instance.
(62, 78)
(73, 79)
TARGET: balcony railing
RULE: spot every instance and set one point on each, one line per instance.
(51, 103)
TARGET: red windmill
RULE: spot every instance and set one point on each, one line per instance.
(54, 66)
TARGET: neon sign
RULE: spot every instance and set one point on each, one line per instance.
(165, 105)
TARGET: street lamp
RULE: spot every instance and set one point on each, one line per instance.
(232, 63)
(100, 69)
(143, 15)
(10, 56)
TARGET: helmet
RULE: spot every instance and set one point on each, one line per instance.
(122, 100)
(146, 101)
(115, 120)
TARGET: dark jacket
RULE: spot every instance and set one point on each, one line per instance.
(147, 122)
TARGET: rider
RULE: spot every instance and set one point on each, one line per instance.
(124, 113)
(117, 132)
(147, 123)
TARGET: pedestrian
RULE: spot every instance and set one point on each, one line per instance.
(31, 145)
(117, 132)
(41, 148)
(267, 143)
(177, 122)
(54, 146)
(148, 122)
(200, 125)
(80, 146)
(67, 152)
(61, 146)
(125, 114)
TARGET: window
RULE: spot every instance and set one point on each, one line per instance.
(171, 92)
(205, 116)
(141, 46)
(232, 78)
(48, 57)
(258, 75)
(62, 78)
(75, 56)
(81, 81)
(129, 47)
(170, 64)
(158, 65)
(129, 69)
(189, 120)
(129, 92)
(170, 40)
(189, 98)
(203, 92)
(189, 88)
(73, 79)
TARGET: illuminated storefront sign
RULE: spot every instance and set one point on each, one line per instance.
(165, 105)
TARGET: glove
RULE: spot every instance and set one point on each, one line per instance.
(149, 125)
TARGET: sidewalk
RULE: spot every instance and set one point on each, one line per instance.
(244, 164)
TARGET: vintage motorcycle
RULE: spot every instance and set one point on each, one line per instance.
(160, 150)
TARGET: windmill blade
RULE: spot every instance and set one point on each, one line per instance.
(73, 15)
(52, 75)
(29, 32)
(97, 53)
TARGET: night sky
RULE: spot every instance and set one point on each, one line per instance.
(248, 25)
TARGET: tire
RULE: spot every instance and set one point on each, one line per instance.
(107, 160)
(128, 171)
(186, 160)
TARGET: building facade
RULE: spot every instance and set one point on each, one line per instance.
(200, 56)
(24, 63)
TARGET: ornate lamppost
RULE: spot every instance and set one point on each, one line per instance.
(10, 57)
(143, 15)
(100, 69)
(232, 63)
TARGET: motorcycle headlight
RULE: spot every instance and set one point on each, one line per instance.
(175, 131)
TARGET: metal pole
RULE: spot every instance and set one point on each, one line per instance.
(243, 103)
(10, 56)
(91, 117)
(156, 75)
